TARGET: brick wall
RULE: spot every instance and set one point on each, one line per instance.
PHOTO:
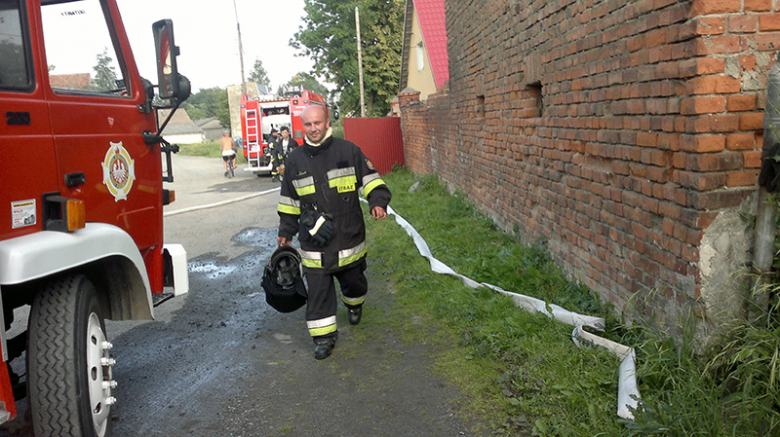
(627, 133)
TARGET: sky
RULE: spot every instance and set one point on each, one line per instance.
(206, 34)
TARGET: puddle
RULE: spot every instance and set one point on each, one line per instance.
(211, 268)
(258, 238)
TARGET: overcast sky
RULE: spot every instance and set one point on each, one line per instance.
(206, 34)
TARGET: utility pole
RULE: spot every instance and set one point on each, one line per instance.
(360, 65)
(240, 50)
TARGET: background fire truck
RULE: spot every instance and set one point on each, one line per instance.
(258, 117)
(81, 223)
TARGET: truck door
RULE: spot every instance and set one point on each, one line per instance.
(26, 147)
(95, 94)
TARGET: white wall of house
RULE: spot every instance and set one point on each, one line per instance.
(197, 137)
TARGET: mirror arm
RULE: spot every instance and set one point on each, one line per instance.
(152, 138)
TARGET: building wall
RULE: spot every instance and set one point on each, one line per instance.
(626, 134)
(420, 80)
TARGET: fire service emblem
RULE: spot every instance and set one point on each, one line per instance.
(118, 171)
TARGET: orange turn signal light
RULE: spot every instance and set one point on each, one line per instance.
(76, 214)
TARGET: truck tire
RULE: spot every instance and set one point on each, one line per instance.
(68, 365)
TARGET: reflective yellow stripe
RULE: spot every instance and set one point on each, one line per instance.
(312, 263)
(305, 191)
(287, 209)
(348, 256)
(322, 331)
(368, 188)
(345, 181)
(288, 205)
(354, 301)
(322, 326)
(311, 259)
(341, 172)
(304, 186)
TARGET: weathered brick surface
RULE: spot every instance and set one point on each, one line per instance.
(649, 126)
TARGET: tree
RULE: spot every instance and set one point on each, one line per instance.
(105, 75)
(210, 102)
(307, 81)
(259, 75)
(328, 36)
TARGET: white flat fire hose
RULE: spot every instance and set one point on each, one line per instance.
(628, 392)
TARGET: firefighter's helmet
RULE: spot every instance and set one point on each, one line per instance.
(283, 280)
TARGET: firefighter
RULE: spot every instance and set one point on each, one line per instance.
(319, 202)
(281, 149)
(273, 137)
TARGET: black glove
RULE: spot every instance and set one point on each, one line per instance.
(770, 168)
(317, 227)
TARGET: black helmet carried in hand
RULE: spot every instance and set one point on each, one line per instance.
(283, 280)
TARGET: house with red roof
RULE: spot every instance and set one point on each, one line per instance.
(424, 59)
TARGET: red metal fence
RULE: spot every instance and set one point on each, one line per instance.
(379, 138)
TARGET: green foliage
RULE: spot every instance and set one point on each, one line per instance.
(308, 82)
(209, 102)
(208, 149)
(105, 75)
(329, 37)
(259, 75)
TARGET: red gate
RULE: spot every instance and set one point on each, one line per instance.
(379, 138)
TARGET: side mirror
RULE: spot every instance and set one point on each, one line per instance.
(335, 112)
(171, 83)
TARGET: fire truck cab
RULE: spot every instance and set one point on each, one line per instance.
(259, 117)
(81, 223)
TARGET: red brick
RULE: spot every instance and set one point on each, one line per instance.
(709, 7)
(703, 105)
(646, 139)
(741, 141)
(714, 85)
(768, 22)
(717, 45)
(752, 121)
(743, 23)
(751, 159)
(758, 5)
(714, 162)
(711, 26)
(742, 179)
(741, 102)
(702, 181)
(702, 143)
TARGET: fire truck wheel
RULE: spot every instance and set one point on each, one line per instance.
(67, 358)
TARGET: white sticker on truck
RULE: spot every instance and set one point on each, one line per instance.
(23, 213)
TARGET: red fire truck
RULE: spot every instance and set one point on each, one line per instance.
(259, 117)
(81, 232)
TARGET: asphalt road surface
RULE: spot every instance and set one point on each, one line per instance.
(219, 361)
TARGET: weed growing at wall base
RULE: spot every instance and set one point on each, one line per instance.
(521, 372)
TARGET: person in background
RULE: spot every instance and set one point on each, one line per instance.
(228, 151)
(282, 148)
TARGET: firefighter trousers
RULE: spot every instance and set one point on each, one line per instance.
(322, 302)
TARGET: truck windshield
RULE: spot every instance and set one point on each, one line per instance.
(80, 51)
(14, 69)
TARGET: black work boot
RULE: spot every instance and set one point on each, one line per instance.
(324, 347)
(354, 314)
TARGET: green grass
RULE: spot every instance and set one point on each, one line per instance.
(208, 149)
(520, 373)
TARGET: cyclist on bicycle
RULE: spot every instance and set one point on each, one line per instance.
(228, 151)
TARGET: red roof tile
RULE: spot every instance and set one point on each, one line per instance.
(434, 30)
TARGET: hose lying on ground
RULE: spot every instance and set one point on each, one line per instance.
(628, 392)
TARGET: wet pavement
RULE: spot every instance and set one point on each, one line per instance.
(219, 361)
